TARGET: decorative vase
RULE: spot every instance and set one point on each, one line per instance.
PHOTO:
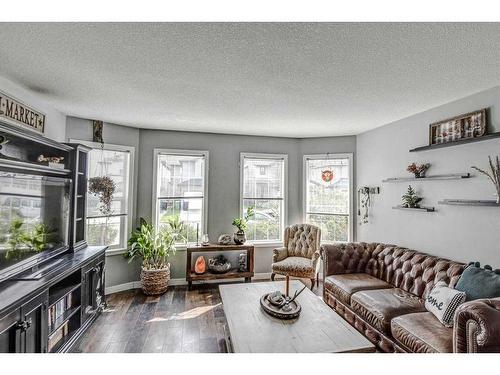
(219, 264)
(239, 238)
(154, 282)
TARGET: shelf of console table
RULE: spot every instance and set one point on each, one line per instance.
(233, 273)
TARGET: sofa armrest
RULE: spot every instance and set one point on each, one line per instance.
(279, 253)
(477, 327)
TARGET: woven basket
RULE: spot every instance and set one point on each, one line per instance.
(155, 282)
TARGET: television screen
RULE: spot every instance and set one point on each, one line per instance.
(34, 216)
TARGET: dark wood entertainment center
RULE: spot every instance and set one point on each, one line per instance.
(48, 300)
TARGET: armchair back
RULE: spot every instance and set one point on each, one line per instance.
(302, 240)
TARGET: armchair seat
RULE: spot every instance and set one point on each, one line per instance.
(296, 266)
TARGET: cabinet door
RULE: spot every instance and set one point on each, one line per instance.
(10, 338)
(34, 324)
(93, 288)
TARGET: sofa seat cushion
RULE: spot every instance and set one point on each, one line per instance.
(343, 286)
(295, 266)
(422, 333)
(378, 307)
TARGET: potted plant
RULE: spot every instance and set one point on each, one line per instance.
(411, 199)
(241, 223)
(153, 246)
(418, 170)
(494, 175)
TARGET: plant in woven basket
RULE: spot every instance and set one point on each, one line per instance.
(103, 187)
(153, 246)
(411, 199)
(494, 176)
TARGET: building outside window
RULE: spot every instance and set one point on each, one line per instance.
(180, 190)
(116, 162)
(328, 195)
(263, 187)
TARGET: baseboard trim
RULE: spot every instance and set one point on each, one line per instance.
(181, 281)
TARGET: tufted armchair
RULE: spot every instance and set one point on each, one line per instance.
(300, 255)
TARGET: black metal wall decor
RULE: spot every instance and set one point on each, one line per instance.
(97, 131)
(18, 113)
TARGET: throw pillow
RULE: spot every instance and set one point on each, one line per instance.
(442, 301)
(479, 282)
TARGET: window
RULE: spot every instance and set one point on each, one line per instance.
(328, 195)
(263, 187)
(180, 190)
(116, 162)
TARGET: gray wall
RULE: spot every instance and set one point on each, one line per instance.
(224, 176)
(459, 233)
(118, 270)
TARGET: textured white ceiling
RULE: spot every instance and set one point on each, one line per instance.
(280, 79)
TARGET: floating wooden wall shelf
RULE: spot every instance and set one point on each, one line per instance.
(469, 202)
(452, 176)
(421, 209)
(456, 143)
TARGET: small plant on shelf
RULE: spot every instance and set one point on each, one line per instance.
(241, 223)
(411, 199)
(494, 176)
(418, 170)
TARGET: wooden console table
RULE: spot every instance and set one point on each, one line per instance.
(233, 273)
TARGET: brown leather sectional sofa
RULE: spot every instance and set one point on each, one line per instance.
(380, 290)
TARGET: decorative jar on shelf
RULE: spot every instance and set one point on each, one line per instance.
(239, 238)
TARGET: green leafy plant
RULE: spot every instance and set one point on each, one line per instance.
(152, 245)
(411, 199)
(17, 238)
(40, 237)
(104, 188)
(242, 222)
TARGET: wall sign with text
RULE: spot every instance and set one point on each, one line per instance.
(18, 113)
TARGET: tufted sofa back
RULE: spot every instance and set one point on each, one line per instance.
(409, 270)
(416, 272)
(302, 240)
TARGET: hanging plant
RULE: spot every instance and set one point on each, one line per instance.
(103, 187)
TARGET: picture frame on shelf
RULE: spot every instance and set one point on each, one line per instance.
(465, 126)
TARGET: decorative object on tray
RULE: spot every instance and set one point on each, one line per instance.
(224, 239)
(154, 246)
(205, 241)
(104, 188)
(200, 266)
(411, 199)
(418, 170)
(241, 223)
(242, 262)
(52, 161)
(219, 264)
(469, 125)
(281, 305)
(364, 200)
(97, 131)
(494, 176)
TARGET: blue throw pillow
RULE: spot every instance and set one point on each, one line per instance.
(479, 282)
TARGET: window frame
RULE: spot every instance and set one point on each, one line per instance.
(171, 151)
(131, 191)
(350, 157)
(284, 218)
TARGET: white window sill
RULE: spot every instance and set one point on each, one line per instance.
(112, 252)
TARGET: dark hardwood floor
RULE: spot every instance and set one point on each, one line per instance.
(178, 321)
